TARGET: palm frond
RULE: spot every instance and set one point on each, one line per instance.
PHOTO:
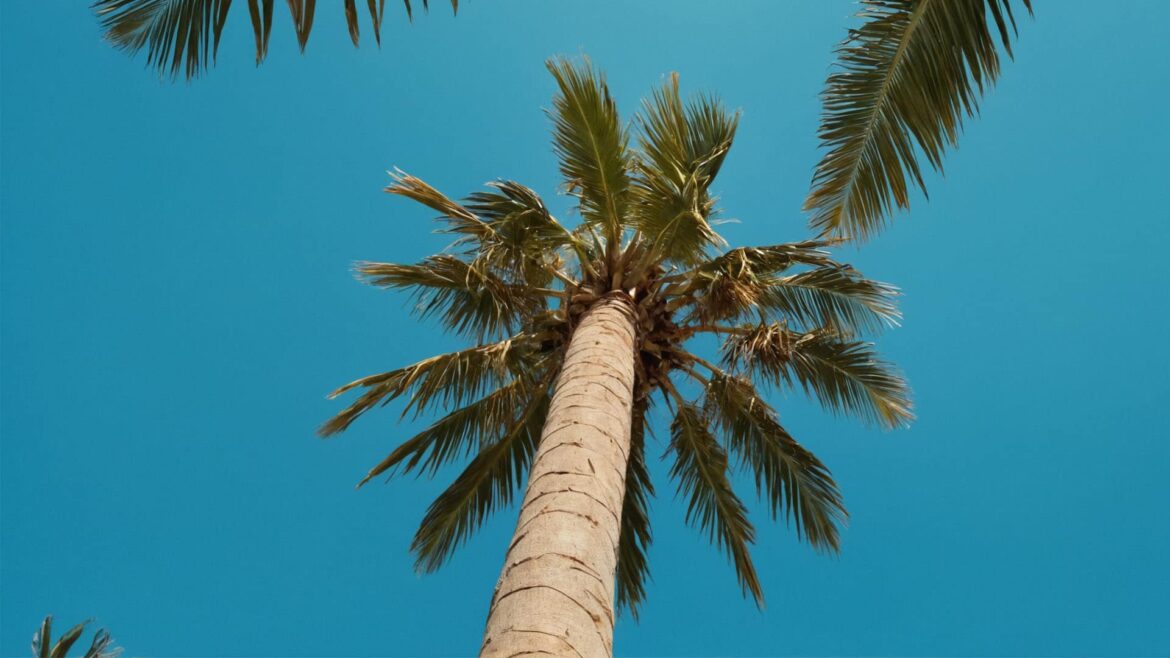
(701, 469)
(42, 647)
(590, 143)
(302, 15)
(524, 238)
(469, 298)
(459, 219)
(180, 36)
(908, 77)
(836, 297)
(682, 150)
(788, 476)
(261, 26)
(734, 283)
(450, 379)
(632, 567)
(488, 482)
(845, 375)
(459, 433)
(67, 640)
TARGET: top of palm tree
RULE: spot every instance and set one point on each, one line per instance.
(98, 648)
(905, 81)
(181, 37)
(517, 280)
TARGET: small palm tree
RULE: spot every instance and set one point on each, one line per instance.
(579, 331)
(99, 648)
(182, 36)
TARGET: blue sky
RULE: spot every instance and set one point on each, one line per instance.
(177, 299)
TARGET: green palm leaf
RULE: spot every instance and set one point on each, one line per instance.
(451, 379)
(836, 297)
(459, 433)
(487, 483)
(590, 143)
(181, 37)
(790, 477)
(524, 238)
(907, 79)
(682, 150)
(469, 298)
(701, 469)
(632, 567)
(458, 219)
(844, 374)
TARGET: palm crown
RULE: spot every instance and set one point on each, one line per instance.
(516, 281)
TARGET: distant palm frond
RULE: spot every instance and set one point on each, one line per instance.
(181, 37)
(98, 648)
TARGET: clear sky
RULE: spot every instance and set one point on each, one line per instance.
(177, 299)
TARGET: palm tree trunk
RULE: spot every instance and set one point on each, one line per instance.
(556, 590)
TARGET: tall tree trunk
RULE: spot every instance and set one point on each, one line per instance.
(556, 590)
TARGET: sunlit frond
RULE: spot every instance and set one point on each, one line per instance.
(907, 79)
(844, 374)
(836, 297)
(681, 151)
(488, 482)
(458, 219)
(632, 568)
(459, 433)
(450, 379)
(468, 297)
(590, 143)
(737, 282)
(788, 476)
(525, 239)
(701, 469)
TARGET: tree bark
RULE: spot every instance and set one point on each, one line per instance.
(555, 595)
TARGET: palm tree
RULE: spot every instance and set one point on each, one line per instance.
(99, 648)
(182, 36)
(579, 331)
